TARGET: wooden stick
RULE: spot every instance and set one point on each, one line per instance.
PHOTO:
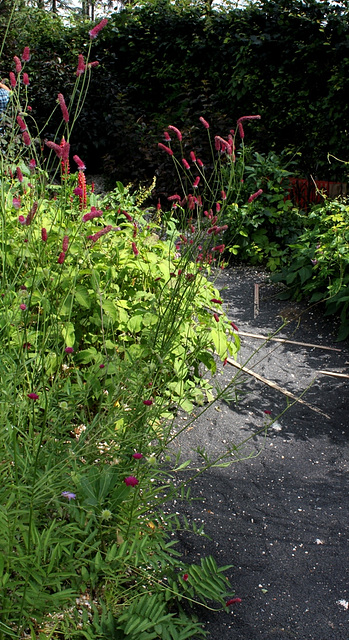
(256, 301)
(302, 344)
(334, 374)
(273, 385)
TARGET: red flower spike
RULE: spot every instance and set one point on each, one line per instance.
(82, 186)
(21, 124)
(81, 65)
(164, 148)
(249, 118)
(65, 244)
(216, 317)
(65, 114)
(26, 79)
(167, 136)
(216, 301)
(100, 233)
(61, 257)
(255, 195)
(95, 31)
(185, 164)
(80, 163)
(204, 122)
(232, 324)
(13, 80)
(26, 54)
(26, 138)
(18, 64)
(134, 249)
(233, 601)
(241, 130)
(185, 577)
(43, 234)
(176, 131)
(19, 174)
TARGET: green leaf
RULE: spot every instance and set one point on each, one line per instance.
(82, 296)
(68, 334)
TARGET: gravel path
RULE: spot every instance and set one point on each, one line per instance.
(280, 515)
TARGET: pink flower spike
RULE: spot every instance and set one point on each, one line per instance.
(174, 197)
(81, 65)
(19, 174)
(13, 80)
(31, 214)
(218, 207)
(26, 79)
(18, 64)
(204, 122)
(61, 257)
(26, 138)
(216, 317)
(94, 213)
(26, 54)
(255, 195)
(241, 130)
(43, 234)
(224, 195)
(249, 118)
(176, 131)
(55, 147)
(196, 182)
(216, 301)
(148, 403)
(32, 164)
(200, 163)
(167, 136)
(185, 164)
(134, 249)
(22, 307)
(192, 156)
(233, 601)
(16, 203)
(131, 481)
(137, 456)
(33, 396)
(79, 162)
(21, 124)
(65, 114)
(95, 31)
(21, 220)
(65, 243)
(93, 64)
(185, 577)
(164, 148)
(69, 350)
(100, 233)
(232, 324)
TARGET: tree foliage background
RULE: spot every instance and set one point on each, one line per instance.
(167, 63)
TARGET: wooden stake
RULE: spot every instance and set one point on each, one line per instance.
(301, 344)
(273, 385)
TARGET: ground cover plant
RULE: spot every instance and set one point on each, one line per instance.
(108, 324)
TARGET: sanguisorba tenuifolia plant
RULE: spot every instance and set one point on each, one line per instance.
(105, 328)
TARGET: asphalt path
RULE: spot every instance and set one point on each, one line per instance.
(280, 512)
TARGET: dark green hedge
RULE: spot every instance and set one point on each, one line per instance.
(160, 65)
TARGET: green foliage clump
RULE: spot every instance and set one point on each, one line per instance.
(319, 260)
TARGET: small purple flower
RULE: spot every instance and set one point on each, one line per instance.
(22, 307)
(137, 456)
(101, 366)
(148, 402)
(314, 261)
(77, 191)
(33, 396)
(69, 350)
(69, 495)
(16, 203)
(130, 481)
